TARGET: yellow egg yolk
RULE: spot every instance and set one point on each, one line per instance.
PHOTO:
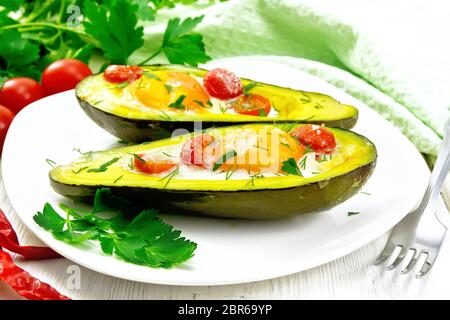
(161, 89)
(257, 151)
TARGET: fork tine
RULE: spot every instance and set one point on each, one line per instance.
(431, 257)
(386, 253)
(411, 263)
(399, 258)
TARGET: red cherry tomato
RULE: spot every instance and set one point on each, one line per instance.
(64, 75)
(118, 73)
(252, 105)
(150, 166)
(192, 151)
(222, 84)
(6, 117)
(320, 139)
(19, 92)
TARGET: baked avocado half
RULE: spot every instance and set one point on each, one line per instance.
(170, 97)
(163, 174)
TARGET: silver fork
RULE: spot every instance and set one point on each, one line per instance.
(419, 235)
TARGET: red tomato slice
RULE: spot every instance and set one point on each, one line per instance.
(192, 152)
(320, 139)
(151, 167)
(118, 73)
(252, 105)
(222, 84)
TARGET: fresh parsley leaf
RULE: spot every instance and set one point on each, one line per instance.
(6, 20)
(105, 201)
(227, 155)
(11, 5)
(145, 239)
(17, 51)
(107, 244)
(181, 45)
(49, 219)
(145, 12)
(114, 27)
(178, 104)
(290, 166)
(262, 113)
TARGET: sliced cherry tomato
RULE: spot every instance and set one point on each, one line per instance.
(118, 73)
(147, 166)
(222, 84)
(64, 75)
(6, 117)
(192, 152)
(320, 139)
(252, 105)
(16, 93)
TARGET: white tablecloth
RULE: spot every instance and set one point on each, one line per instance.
(350, 277)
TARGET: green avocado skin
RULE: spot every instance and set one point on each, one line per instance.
(247, 204)
(137, 131)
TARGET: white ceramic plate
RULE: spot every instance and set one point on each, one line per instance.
(229, 251)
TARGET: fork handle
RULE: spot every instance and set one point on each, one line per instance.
(439, 172)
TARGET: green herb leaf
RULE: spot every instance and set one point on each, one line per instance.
(114, 27)
(249, 87)
(115, 181)
(145, 12)
(137, 157)
(262, 113)
(351, 213)
(17, 51)
(290, 166)
(144, 240)
(51, 162)
(151, 76)
(49, 219)
(227, 155)
(178, 104)
(11, 5)
(103, 167)
(170, 176)
(168, 87)
(122, 85)
(181, 45)
(107, 244)
(104, 201)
